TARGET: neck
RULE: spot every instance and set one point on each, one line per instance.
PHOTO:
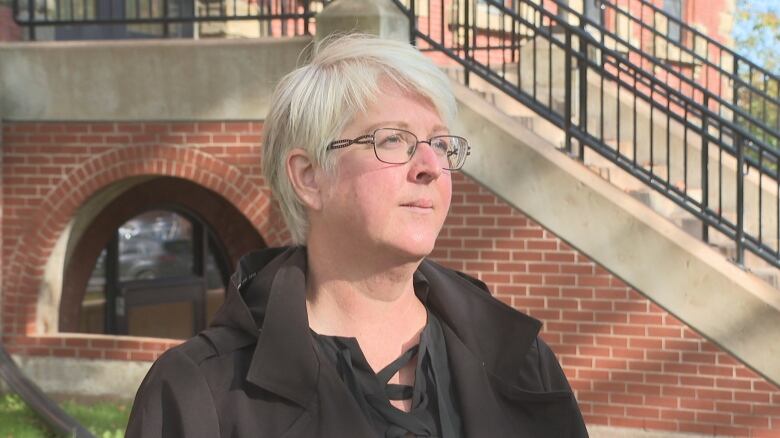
(360, 294)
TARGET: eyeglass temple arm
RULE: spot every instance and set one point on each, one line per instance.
(363, 139)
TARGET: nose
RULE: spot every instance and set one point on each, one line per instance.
(425, 166)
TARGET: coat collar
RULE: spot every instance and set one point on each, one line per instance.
(271, 306)
(497, 335)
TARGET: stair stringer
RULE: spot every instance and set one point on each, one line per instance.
(732, 308)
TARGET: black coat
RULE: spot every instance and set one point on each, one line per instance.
(256, 372)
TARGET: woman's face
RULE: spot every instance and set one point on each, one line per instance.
(393, 208)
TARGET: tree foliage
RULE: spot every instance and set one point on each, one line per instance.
(757, 32)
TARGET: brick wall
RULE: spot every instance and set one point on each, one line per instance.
(9, 31)
(631, 363)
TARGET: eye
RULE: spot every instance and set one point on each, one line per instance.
(390, 140)
(442, 145)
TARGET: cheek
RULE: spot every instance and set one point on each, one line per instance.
(446, 190)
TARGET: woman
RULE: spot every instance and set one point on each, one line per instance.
(351, 332)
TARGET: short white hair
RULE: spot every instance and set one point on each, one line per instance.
(313, 104)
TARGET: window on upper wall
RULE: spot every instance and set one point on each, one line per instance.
(674, 8)
(593, 10)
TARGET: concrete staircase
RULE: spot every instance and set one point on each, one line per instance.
(660, 165)
(620, 230)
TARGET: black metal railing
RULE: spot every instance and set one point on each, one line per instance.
(124, 19)
(59, 421)
(684, 138)
(729, 83)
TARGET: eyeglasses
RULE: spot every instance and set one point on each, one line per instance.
(397, 146)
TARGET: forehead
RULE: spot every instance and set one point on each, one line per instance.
(393, 107)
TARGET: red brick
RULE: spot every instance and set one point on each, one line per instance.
(610, 294)
(610, 410)
(90, 354)
(758, 397)
(714, 394)
(697, 381)
(145, 356)
(645, 343)
(731, 431)
(628, 330)
(751, 421)
(768, 410)
(636, 388)
(697, 428)
(764, 433)
(737, 408)
(626, 422)
(611, 364)
(631, 306)
(664, 332)
(596, 419)
(63, 352)
(587, 280)
(679, 415)
(626, 399)
(591, 396)
(686, 346)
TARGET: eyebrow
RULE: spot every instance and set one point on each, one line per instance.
(403, 125)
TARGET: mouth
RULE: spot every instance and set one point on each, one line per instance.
(419, 203)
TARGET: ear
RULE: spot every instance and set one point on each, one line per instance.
(305, 178)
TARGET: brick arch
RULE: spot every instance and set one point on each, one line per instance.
(233, 233)
(60, 204)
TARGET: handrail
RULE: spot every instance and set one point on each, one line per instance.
(293, 16)
(626, 10)
(480, 35)
(57, 419)
(651, 80)
(696, 88)
(697, 34)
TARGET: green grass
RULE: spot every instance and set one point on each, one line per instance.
(103, 419)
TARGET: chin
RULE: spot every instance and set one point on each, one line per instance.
(416, 246)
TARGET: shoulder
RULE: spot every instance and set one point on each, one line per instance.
(192, 360)
(179, 393)
(541, 370)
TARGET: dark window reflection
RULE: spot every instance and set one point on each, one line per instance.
(151, 249)
(155, 244)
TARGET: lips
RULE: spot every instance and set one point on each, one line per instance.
(420, 203)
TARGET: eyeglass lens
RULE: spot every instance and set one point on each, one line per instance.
(396, 146)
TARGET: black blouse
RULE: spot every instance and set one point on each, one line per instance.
(434, 410)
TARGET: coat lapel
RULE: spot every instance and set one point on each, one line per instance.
(286, 361)
(480, 411)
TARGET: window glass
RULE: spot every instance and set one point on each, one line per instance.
(93, 307)
(150, 287)
(674, 9)
(156, 244)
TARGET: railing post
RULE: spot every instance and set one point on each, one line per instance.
(466, 43)
(705, 169)
(166, 28)
(567, 95)
(583, 88)
(740, 232)
(31, 18)
(412, 24)
(306, 9)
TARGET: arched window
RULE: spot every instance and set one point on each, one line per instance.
(163, 274)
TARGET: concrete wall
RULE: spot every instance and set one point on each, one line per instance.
(143, 80)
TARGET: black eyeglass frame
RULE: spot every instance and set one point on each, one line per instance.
(369, 139)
